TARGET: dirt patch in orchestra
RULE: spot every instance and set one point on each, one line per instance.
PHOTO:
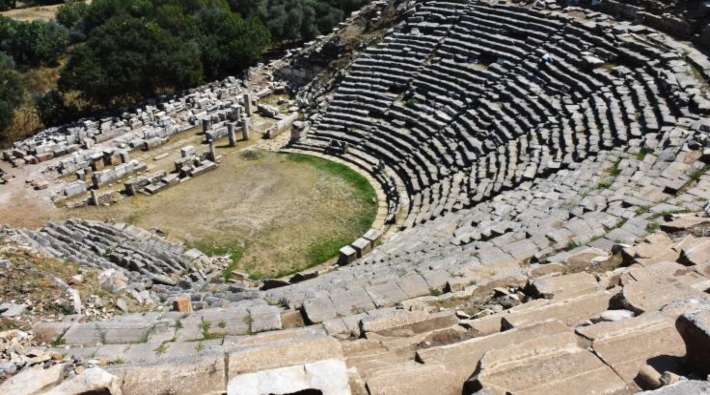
(273, 213)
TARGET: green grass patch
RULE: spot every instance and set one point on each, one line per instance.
(325, 249)
(698, 172)
(604, 185)
(652, 227)
(642, 154)
(207, 334)
(571, 245)
(615, 170)
(609, 66)
(410, 102)
(361, 187)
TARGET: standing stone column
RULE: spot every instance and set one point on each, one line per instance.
(245, 128)
(232, 135)
(237, 112)
(94, 198)
(213, 155)
(206, 125)
(247, 104)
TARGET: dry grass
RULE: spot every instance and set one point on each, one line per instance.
(27, 121)
(277, 212)
(30, 281)
(45, 12)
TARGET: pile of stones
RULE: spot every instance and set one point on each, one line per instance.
(27, 369)
(143, 264)
(143, 128)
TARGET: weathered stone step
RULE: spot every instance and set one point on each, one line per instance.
(407, 323)
(652, 291)
(628, 345)
(414, 379)
(452, 334)
(694, 328)
(462, 358)
(565, 287)
(569, 311)
(272, 350)
(201, 374)
(553, 364)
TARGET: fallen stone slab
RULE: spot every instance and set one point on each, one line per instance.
(697, 252)
(570, 311)
(414, 379)
(31, 381)
(694, 328)
(683, 223)
(327, 376)
(565, 287)
(319, 309)
(628, 345)
(677, 307)
(264, 318)
(271, 350)
(684, 387)
(462, 358)
(670, 269)
(92, 380)
(493, 323)
(649, 253)
(652, 293)
(201, 374)
(11, 309)
(552, 364)
(407, 323)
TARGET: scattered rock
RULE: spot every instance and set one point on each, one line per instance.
(182, 304)
(613, 316)
(12, 309)
(93, 380)
(694, 328)
(122, 304)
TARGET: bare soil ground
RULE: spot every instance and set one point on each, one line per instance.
(34, 281)
(45, 12)
(276, 210)
(277, 214)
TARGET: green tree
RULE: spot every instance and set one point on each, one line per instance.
(7, 4)
(11, 93)
(72, 16)
(130, 59)
(229, 43)
(36, 43)
(53, 109)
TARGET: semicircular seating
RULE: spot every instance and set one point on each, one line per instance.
(460, 104)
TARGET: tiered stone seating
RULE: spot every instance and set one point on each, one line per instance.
(138, 254)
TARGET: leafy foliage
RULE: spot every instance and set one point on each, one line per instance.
(33, 44)
(139, 48)
(7, 4)
(129, 59)
(11, 92)
(297, 19)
